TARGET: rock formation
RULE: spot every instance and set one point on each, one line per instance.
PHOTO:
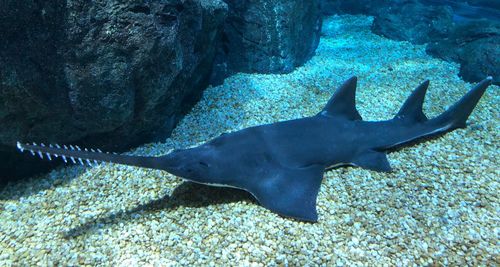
(114, 74)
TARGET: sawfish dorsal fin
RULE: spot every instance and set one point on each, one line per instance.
(343, 102)
(411, 111)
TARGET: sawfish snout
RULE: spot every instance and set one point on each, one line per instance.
(193, 164)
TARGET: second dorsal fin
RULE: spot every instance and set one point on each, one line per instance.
(411, 110)
(343, 102)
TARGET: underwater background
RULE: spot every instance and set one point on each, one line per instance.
(101, 83)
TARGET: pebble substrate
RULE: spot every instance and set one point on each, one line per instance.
(440, 205)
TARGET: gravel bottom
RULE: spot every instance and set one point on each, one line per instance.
(440, 205)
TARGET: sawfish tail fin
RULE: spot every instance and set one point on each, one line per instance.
(86, 156)
(456, 116)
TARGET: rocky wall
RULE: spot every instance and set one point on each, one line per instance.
(114, 74)
(103, 73)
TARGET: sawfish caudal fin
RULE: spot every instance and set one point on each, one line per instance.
(86, 156)
(343, 102)
(456, 116)
(411, 117)
(291, 192)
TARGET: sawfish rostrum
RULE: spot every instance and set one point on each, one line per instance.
(282, 164)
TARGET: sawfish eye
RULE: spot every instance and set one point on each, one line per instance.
(203, 164)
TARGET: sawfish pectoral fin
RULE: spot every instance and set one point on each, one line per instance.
(291, 192)
(373, 160)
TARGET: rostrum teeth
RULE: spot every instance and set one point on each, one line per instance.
(54, 153)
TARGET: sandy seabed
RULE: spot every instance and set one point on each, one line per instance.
(440, 205)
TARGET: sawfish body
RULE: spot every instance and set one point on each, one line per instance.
(282, 164)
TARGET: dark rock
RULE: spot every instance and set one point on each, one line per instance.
(271, 36)
(465, 11)
(329, 7)
(354, 7)
(485, 3)
(414, 22)
(107, 73)
(454, 30)
(481, 58)
(475, 47)
(113, 74)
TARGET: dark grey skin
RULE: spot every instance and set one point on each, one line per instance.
(282, 164)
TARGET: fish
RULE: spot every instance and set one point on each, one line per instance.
(282, 164)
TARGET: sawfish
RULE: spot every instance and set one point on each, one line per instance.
(282, 164)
